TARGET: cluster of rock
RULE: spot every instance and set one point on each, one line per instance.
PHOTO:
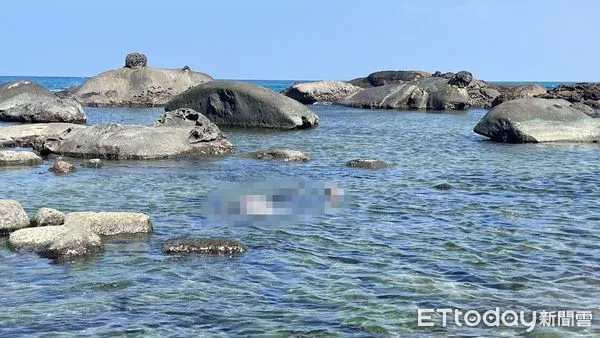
(586, 93)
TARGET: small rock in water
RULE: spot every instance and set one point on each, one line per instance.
(111, 223)
(366, 164)
(12, 217)
(62, 167)
(285, 155)
(46, 217)
(443, 186)
(93, 163)
(207, 246)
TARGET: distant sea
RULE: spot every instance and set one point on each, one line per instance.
(519, 230)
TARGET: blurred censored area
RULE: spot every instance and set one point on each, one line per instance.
(274, 201)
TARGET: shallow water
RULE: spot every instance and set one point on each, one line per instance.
(518, 231)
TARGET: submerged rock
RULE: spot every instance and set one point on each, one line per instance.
(285, 155)
(430, 93)
(207, 246)
(538, 120)
(46, 217)
(12, 216)
(62, 168)
(92, 163)
(443, 186)
(25, 101)
(137, 85)
(25, 135)
(19, 158)
(111, 223)
(118, 142)
(244, 105)
(321, 91)
(366, 164)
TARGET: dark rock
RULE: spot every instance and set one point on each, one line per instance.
(207, 246)
(62, 168)
(118, 142)
(46, 217)
(137, 86)
(587, 93)
(519, 92)
(25, 101)
(12, 217)
(461, 79)
(136, 60)
(285, 155)
(321, 91)
(447, 75)
(244, 105)
(186, 68)
(386, 77)
(366, 164)
(443, 186)
(19, 158)
(538, 120)
(429, 93)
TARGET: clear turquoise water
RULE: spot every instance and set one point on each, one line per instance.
(520, 231)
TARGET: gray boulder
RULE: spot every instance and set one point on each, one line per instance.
(538, 120)
(46, 217)
(25, 101)
(285, 155)
(56, 242)
(589, 111)
(136, 60)
(25, 135)
(207, 246)
(61, 167)
(12, 217)
(366, 164)
(387, 77)
(519, 92)
(321, 91)
(136, 85)
(118, 142)
(244, 105)
(430, 93)
(92, 163)
(110, 223)
(19, 158)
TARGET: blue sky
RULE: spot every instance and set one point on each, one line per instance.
(308, 39)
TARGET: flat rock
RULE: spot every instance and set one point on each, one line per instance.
(366, 164)
(538, 120)
(206, 246)
(387, 77)
(244, 105)
(136, 85)
(430, 93)
(47, 217)
(118, 142)
(24, 135)
(110, 223)
(19, 158)
(285, 155)
(12, 216)
(25, 101)
(321, 91)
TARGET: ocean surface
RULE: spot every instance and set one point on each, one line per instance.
(520, 230)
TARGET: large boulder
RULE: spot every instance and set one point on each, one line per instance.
(24, 135)
(321, 91)
(12, 216)
(430, 93)
(118, 142)
(25, 101)
(387, 77)
(136, 85)
(19, 158)
(519, 92)
(110, 223)
(588, 93)
(538, 120)
(56, 242)
(244, 105)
